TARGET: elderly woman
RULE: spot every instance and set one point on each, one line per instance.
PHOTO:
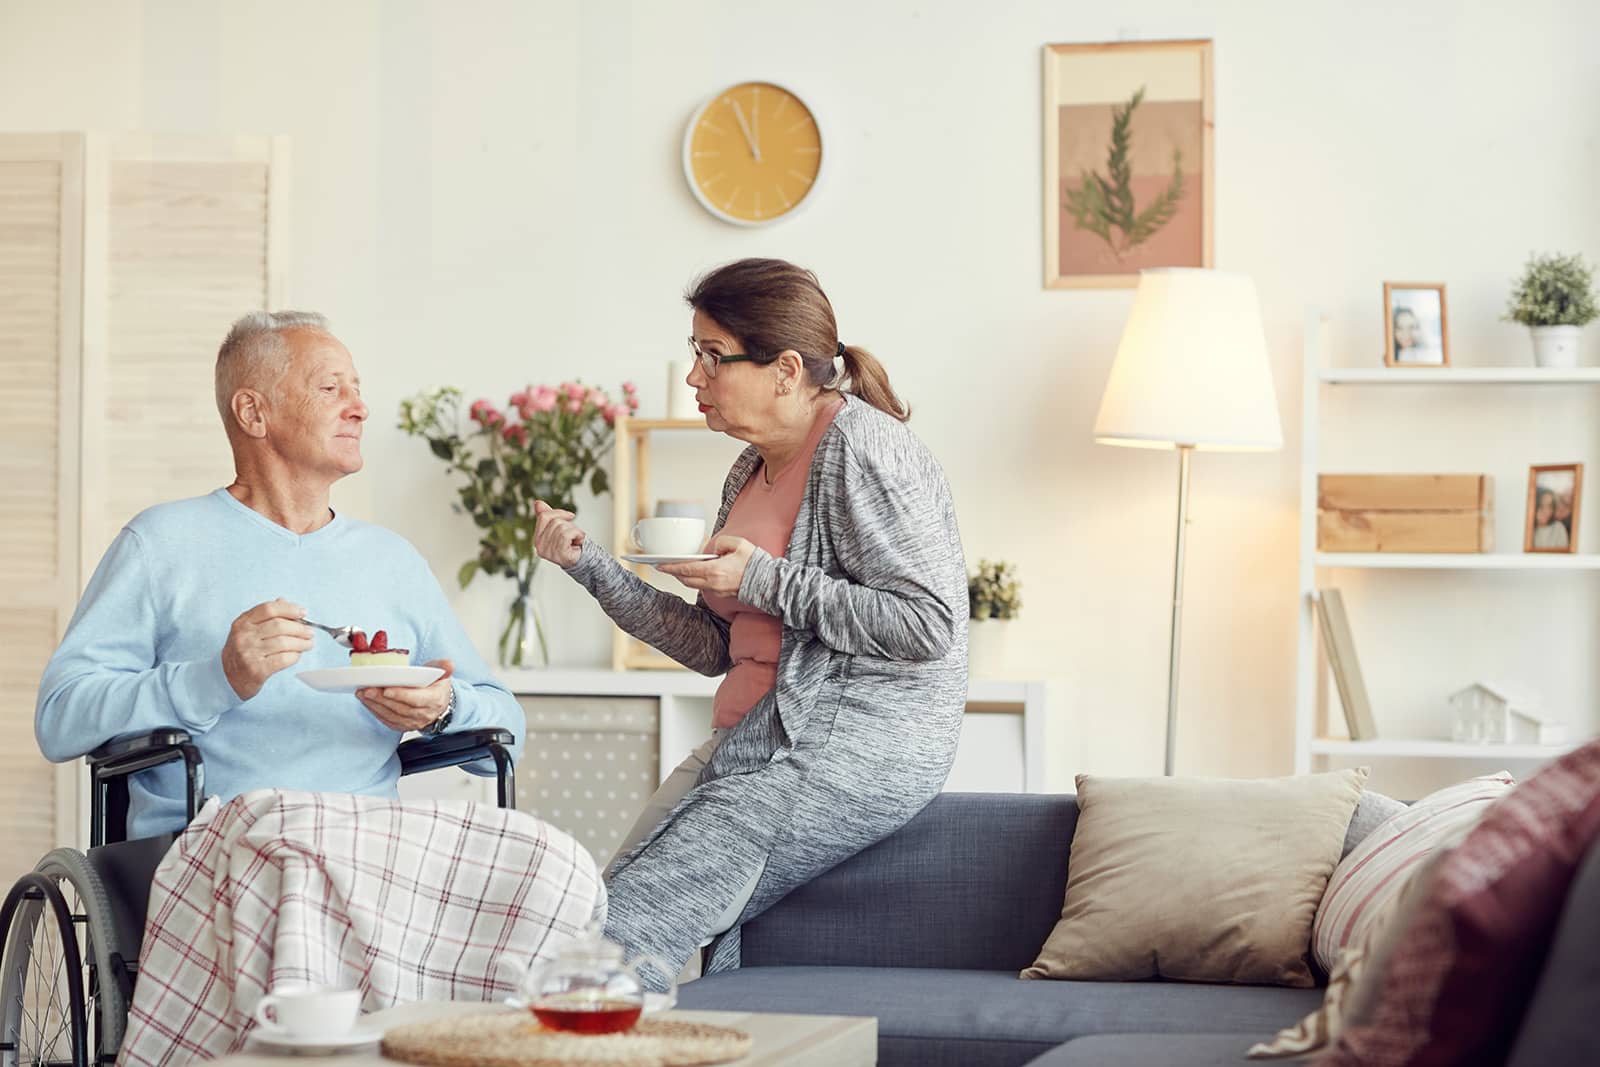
(835, 608)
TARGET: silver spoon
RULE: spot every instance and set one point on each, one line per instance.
(340, 634)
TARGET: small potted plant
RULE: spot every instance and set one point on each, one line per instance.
(994, 598)
(1555, 299)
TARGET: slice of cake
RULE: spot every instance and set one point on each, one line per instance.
(376, 653)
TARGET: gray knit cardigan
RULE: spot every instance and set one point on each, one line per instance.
(860, 730)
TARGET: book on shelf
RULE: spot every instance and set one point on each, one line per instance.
(1340, 648)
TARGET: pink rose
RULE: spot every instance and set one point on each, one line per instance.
(575, 403)
(598, 399)
(544, 399)
(633, 402)
(629, 388)
(575, 391)
(519, 398)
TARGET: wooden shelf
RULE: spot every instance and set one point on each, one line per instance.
(1461, 561)
(1410, 749)
(1460, 375)
(630, 489)
(644, 426)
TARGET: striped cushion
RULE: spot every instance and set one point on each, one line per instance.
(1368, 882)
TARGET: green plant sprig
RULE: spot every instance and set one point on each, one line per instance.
(993, 592)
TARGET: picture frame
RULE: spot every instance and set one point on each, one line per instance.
(1128, 160)
(1555, 497)
(1416, 325)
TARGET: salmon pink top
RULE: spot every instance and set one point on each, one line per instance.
(763, 513)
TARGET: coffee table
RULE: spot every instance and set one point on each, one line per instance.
(777, 1040)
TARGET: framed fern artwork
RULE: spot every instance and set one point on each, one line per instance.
(1127, 160)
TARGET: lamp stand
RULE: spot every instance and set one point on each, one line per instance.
(1184, 452)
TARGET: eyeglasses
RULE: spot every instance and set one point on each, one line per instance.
(710, 360)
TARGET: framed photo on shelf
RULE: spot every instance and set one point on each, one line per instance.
(1554, 494)
(1127, 161)
(1416, 331)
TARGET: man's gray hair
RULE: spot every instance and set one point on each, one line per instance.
(255, 353)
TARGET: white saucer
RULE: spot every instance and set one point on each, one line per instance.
(656, 560)
(349, 679)
(361, 1034)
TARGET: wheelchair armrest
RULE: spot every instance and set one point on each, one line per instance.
(126, 755)
(465, 746)
(112, 763)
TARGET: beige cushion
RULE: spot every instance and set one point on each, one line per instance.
(1201, 879)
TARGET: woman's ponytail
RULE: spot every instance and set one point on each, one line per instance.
(870, 382)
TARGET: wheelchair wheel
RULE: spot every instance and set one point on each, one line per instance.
(63, 991)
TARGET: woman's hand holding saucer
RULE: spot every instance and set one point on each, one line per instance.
(720, 576)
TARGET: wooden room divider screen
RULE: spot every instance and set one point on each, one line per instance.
(123, 258)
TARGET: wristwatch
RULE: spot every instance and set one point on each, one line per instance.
(437, 726)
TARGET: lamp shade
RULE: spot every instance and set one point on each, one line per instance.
(1192, 367)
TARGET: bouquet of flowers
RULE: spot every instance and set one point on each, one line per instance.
(549, 440)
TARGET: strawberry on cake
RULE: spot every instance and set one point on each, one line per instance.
(376, 653)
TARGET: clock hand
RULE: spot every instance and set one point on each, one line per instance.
(738, 113)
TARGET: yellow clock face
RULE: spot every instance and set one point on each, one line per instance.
(753, 154)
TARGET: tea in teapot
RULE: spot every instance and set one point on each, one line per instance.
(590, 989)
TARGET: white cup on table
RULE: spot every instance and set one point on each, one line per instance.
(309, 1011)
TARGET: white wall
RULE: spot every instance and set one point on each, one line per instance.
(489, 193)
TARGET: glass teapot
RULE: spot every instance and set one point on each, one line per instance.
(588, 988)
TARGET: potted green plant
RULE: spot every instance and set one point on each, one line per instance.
(1555, 299)
(548, 443)
(994, 599)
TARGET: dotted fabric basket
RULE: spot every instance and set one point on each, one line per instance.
(516, 1039)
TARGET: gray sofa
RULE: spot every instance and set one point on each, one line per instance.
(927, 930)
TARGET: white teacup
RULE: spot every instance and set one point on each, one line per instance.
(310, 1011)
(670, 535)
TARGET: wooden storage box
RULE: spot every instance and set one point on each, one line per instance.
(1405, 513)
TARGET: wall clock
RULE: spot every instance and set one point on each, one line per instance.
(753, 153)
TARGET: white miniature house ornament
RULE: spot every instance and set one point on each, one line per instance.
(1495, 713)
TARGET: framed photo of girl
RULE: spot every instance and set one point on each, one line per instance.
(1416, 331)
(1554, 494)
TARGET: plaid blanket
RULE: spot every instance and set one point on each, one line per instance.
(413, 901)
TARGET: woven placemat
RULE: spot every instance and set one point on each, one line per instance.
(516, 1039)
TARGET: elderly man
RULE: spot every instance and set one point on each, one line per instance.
(193, 618)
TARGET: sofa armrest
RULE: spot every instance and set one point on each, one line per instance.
(1558, 1028)
(974, 881)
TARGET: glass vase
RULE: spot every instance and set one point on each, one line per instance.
(522, 641)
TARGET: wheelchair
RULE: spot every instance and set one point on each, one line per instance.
(71, 929)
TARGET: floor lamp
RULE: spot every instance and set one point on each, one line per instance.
(1191, 372)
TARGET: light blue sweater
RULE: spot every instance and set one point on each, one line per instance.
(144, 651)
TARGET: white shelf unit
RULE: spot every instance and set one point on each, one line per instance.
(1312, 679)
(1433, 749)
(1458, 375)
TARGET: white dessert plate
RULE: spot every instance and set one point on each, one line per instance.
(349, 679)
(656, 560)
(360, 1034)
